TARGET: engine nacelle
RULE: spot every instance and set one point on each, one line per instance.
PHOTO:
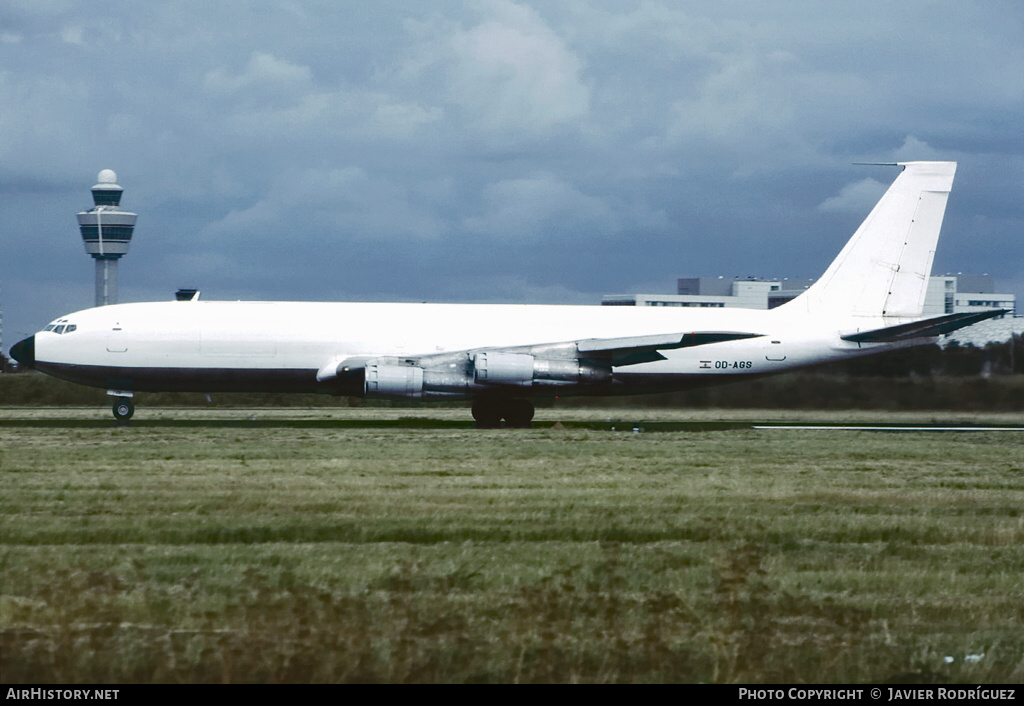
(454, 377)
(524, 370)
(402, 381)
(490, 368)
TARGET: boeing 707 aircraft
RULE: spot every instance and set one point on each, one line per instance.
(503, 356)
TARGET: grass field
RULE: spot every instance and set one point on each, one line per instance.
(387, 545)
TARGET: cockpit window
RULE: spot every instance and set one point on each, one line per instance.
(59, 328)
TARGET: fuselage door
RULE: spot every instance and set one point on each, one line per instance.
(117, 342)
(775, 350)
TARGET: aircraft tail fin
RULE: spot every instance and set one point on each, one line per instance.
(883, 270)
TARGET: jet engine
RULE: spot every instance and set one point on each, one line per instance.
(458, 375)
(383, 380)
(524, 370)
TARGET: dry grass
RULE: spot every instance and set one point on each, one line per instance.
(281, 548)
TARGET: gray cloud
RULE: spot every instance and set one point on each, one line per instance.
(502, 150)
(857, 198)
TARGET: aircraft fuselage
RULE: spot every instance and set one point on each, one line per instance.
(281, 346)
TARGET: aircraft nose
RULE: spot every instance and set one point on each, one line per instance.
(25, 352)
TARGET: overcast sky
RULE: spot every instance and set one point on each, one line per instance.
(492, 150)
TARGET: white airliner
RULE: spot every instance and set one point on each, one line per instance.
(503, 356)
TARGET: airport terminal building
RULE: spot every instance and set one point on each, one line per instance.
(947, 294)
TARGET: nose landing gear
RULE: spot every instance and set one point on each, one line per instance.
(123, 409)
(123, 405)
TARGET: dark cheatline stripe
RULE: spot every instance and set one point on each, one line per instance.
(186, 379)
(152, 379)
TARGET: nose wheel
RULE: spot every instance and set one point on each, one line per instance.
(123, 409)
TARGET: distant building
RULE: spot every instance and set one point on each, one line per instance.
(991, 331)
(717, 292)
(946, 294)
(953, 294)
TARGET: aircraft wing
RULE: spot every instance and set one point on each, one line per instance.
(936, 326)
(632, 350)
(563, 361)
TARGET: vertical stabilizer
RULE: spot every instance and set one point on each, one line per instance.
(884, 268)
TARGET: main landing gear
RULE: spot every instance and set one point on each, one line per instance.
(489, 411)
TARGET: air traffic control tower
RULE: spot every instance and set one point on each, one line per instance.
(107, 232)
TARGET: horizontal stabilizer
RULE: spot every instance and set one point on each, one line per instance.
(936, 326)
(632, 350)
